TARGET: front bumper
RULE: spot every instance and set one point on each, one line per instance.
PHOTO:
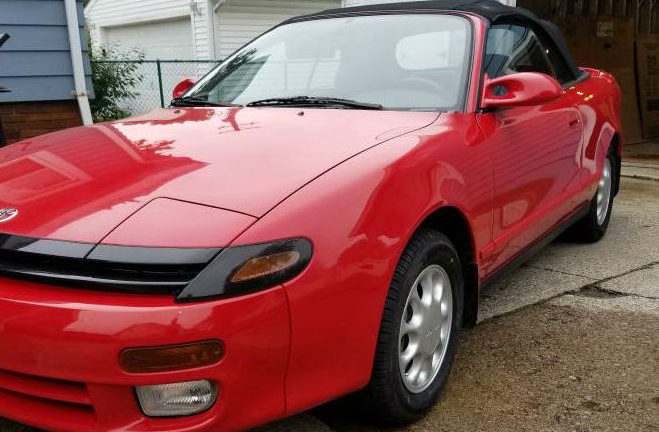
(59, 351)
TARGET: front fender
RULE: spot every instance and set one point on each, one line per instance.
(360, 216)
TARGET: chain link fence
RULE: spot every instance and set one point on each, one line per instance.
(157, 80)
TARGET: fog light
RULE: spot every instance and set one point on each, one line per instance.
(177, 399)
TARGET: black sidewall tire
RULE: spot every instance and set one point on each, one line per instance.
(395, 404)
(588, 229)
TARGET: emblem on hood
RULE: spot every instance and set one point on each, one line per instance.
(7, 214)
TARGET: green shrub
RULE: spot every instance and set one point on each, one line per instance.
(115, 76)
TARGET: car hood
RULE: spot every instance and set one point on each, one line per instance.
(80, 184)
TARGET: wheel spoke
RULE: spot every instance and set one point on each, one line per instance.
(424, 371)
(444, 308)
(438, 291)
(428, 366)
(411, 351)
(414, 372)
(415, 302)
(426, 284)
(412, 327)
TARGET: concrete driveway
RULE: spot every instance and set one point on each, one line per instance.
(569, 342)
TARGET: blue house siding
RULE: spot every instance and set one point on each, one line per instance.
(35, 64)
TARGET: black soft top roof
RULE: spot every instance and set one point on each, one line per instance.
(491, 10)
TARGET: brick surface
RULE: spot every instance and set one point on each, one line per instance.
(6, 109)
(30, 119)
(45, 107)
(30, 133)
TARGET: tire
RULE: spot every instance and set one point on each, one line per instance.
(594, 225)
(392, 397)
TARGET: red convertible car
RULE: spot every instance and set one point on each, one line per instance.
(313, 218)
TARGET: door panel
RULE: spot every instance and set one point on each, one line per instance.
(536, 150)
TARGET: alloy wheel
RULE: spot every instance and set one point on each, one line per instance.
(604, 193)
(425, 328)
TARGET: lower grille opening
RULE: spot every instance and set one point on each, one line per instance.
(61, 415)
(71, 392)
(22, 396)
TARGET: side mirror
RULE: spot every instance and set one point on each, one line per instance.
(520, 89)
(182, 87)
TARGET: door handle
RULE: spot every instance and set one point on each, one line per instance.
(574, 123)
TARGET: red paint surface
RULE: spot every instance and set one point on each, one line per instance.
(522, 89)
(357, 183)
(169, 223)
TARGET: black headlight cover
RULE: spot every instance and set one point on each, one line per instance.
(214, 281)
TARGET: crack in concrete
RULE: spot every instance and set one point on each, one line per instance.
(594, 291)
(640, 177)
(595, 288)
(559, 271)
(590, 287)
(634, 270)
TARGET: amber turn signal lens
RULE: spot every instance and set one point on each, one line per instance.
(171, 357)
(266, 265)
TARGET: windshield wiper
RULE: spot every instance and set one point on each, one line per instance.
(314, 101)
(199, 100)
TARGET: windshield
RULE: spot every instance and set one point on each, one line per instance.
(405, 62)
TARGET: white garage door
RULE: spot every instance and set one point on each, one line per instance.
(239, 21)
(157, 40)
(164, 40)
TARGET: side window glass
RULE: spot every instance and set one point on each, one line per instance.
(514, 48)
(563, 72)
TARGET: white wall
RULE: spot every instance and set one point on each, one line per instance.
(239, 21)
(103, 14)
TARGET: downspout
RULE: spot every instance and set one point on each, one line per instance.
(211, 29)
(213, 11)
(80, 91)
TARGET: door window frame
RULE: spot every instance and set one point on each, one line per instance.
(545, 41)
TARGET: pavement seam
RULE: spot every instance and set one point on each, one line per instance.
(590, 286)
(605, 292)
(559, 271)
(587, 290)
(640, 177)
(628, 272)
